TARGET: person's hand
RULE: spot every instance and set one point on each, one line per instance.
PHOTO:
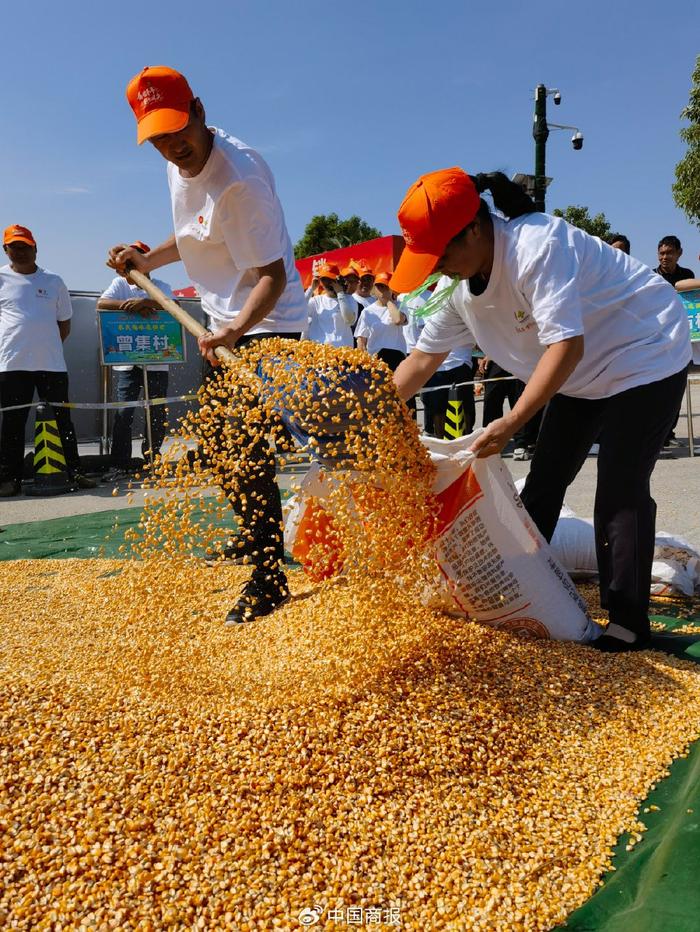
(483, 363)
(494, 438)
(226, 336)
(122, 255)
(141, 306)
(328, 284)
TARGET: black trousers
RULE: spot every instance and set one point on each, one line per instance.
(495, 396)
(393, 358)
(631, 428)
(17, 388)
(436, 402)
(254, 494)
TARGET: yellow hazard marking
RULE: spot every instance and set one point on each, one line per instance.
(454, 419)
(48, 450)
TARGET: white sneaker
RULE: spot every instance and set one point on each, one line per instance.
(520, 453)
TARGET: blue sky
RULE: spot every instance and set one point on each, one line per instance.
(349, 103)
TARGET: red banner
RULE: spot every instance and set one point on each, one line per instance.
(381, 255)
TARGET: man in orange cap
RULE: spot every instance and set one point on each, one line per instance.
(595, 335)
(35, 313)
(231, 235)
(332, 313)
(122, 295)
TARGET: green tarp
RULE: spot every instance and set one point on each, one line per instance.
(656, 885)
(79, 537)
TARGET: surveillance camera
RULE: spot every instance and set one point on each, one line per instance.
(557, 98)
(577, 140)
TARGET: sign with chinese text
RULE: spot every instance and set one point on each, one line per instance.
(132, 340)
(691, 300)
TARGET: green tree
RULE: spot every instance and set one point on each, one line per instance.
(325, 232)
(686, 190)
(578, 216)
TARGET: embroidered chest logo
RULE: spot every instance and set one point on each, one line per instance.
(523, 321)
(42, 293)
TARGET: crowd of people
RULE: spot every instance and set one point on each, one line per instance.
(564, 324)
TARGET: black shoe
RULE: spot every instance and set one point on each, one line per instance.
(608, 644)
(115, 474)
(262, 594)
(84, 482)
(236, 551)
(9, 488)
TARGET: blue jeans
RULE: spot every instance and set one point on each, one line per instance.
(128, 388)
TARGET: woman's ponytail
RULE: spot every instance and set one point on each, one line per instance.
(508, 197)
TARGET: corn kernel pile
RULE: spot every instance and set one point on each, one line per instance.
(352, 751)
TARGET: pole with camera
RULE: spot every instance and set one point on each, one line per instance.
(540, 132)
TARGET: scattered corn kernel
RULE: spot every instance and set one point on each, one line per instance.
(354, 748)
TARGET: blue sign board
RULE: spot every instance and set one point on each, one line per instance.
(132, 340)
(691, 299)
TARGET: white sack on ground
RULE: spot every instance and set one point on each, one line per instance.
(676, 566)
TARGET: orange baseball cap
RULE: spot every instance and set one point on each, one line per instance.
(324, 270)
(349, 270)
(142, 247)
(160, 98)
(18, 234)
(383, 278)
(435, 209)
(362, 268)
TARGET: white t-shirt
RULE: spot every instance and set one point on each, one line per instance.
(228, 222)
(119, 289)
(459, 356)
(325, 322)
(30, 308)
(362, 301)
(381, 332)
(551, 281)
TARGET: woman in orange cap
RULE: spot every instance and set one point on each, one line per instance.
(598, 338)
(363, 293)
(380, 326)
(333, 312)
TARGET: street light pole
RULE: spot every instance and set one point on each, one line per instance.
(540, 132)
